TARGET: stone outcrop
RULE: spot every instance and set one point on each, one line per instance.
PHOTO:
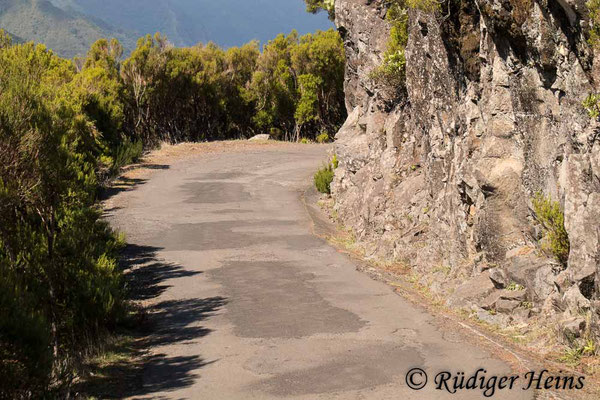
(442, 177)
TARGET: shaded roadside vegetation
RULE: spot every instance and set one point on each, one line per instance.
(67, 126)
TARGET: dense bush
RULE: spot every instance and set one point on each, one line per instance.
(323, 137)
(57, 260)
(293, 88)
(297, 88)
(323, 178)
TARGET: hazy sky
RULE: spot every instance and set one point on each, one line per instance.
(226, 22)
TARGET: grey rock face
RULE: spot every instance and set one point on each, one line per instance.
(492, 114)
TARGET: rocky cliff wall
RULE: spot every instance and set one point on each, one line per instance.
(442, 177)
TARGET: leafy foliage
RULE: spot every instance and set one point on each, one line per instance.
(334, 161)
(297, 87)
(392, 71)
(592, 105)
(323, 138)
(57, 259)
(324, 176)
(314, 6)
(594, 12)
(551, 217)
(294, 86)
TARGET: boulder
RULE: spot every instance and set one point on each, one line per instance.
(499, 278)
(261, 137)
(573, 327)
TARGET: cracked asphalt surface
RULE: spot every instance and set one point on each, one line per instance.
(249, 304)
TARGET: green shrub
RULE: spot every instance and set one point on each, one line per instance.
(323, 138)
(594, 32)
(58, 277)
(323, 179)
(324, 176)
(556, 239)
(127, 153)
(313, 6)
(392, 71)
(592, 105)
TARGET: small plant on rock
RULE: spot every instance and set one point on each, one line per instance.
(513, 287)
(549, 214)
(392, 72)
(592, 105)
(334, 161)
(594, 31)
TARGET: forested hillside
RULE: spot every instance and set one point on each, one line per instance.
(66, 126)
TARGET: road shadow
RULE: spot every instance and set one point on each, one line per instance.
(132, 370)
(125, 184)
(145, 274)
(119, 185)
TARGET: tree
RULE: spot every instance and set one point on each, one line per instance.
(307, 109)
(321, 55)
(314, 6)
(298, 83)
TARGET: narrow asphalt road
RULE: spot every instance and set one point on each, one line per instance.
(248, 304)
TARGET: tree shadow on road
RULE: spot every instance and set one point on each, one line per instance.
(127, 367)
(146, 275)
(121, 184)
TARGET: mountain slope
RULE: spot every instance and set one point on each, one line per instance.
(67, 32)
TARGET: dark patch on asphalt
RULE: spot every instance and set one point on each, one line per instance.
(277, 300)
(216, 192)
(362, 368)
(218, 176)
(231, 211)
(222, 235)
